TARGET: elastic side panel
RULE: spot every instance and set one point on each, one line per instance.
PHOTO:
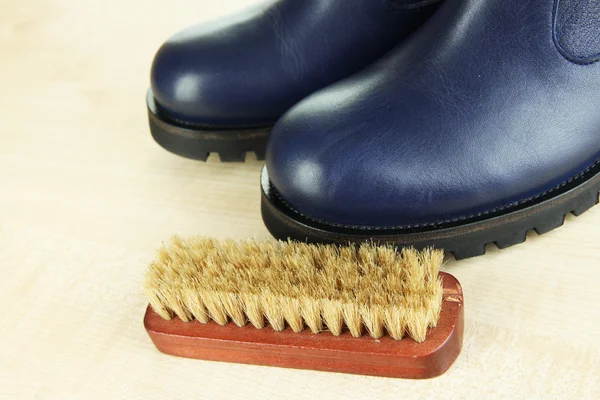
(577, 29)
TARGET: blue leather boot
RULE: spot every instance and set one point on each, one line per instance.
(484, 125)
(220, 87)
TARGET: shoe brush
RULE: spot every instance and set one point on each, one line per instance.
(370, 310)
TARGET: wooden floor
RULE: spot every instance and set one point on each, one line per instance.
(86, 197)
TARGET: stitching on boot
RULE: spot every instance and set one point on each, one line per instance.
(434, 224)
(576, 30)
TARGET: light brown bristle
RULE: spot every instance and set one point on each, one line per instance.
(365, 288)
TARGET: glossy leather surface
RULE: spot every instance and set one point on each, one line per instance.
(477, 112)
(248, 69)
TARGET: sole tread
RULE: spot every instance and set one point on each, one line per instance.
(465, 252)
(550, 224)
(462, 241)
(585, 204)
(198, 143)
(232, 156)
(511, 240)
(260, 154)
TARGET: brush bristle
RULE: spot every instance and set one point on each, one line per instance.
(364, 289)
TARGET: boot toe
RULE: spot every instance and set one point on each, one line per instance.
(318, 168)
(247, 69)
(193, 81)
(210, 75)
(176, 86)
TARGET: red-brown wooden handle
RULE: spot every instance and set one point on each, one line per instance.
(324, 352)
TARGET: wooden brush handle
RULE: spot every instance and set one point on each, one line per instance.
(325, 352)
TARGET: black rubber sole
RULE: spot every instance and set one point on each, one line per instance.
(462, 239)
(199, 142)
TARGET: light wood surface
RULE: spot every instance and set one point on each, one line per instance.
(86, 197)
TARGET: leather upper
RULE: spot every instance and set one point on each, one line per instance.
(248, 69)
(477, 112)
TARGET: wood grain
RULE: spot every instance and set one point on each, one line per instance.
(86, 197)
(324, 352)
